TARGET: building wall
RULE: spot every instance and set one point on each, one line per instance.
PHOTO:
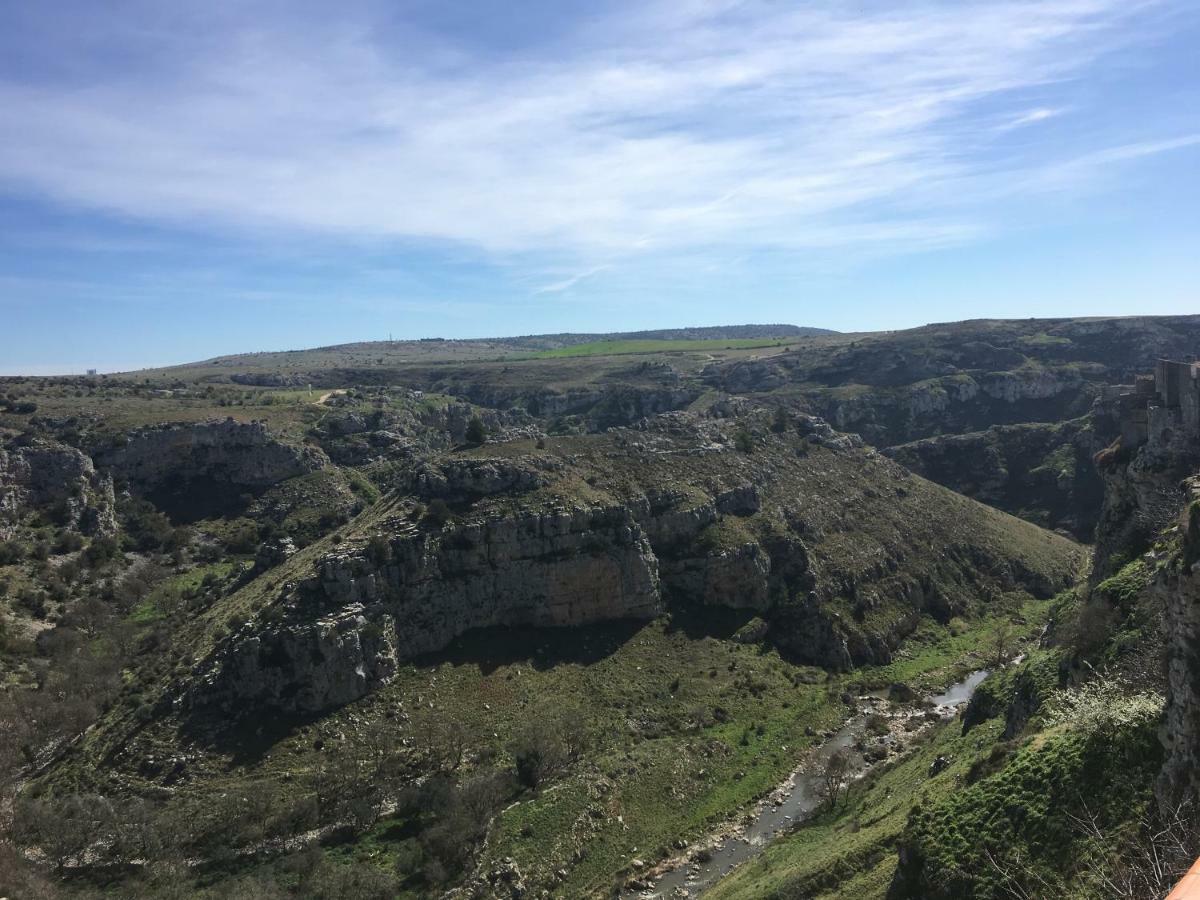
(1189, 401)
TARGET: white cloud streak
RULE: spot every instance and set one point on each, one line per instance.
(557, 287)
(1030, 117)
(680, 126)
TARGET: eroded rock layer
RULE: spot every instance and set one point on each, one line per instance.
(838, 548)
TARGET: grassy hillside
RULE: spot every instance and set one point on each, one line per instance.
(1049, 812)
(651, 734)
(574, 760)
(625, 347)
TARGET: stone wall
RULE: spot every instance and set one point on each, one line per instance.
(1162, 412)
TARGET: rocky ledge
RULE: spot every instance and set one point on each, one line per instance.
(838, 550)
(244, 454)
(49, 474)
(343, 630)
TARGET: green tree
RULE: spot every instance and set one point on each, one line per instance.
(438, 513)
(379, 550)
(476, 431)
(781, 421)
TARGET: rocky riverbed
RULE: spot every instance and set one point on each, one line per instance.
(703, 864)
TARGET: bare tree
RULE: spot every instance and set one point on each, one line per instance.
(1001, 644)
(833, 779)
(1148, 864)
(447, 741)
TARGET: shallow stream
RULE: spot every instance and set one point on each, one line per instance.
(785, 808)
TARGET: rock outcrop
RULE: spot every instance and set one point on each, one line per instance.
(58, 478)
(1157, 421)
(1178, 586)
(824, 540)
(355, 437)
(470, 479)
(346, 626)
(1150, 476)
(1040, 471)
(957, 403)
(240, 454)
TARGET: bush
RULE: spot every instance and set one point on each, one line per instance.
(545, 747)
(1103, 706)
(476, 431)
(146, 527)
(781, 421)
(379, 550)
(438, 513)
(11, 552)
(100, 551)
(242, 537)
(68, 542)
(33, 602)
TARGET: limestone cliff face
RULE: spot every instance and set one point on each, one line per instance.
(352, 437)
(1040, 471)
(229, 452)
(340, 632)
(956, 403)
(343, 630)
(1146, 487)
(885, 412)
(46, 473)
(1142, 496)
(1178, 586)
(829, 542)
(469, 479)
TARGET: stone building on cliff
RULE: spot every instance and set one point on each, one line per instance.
(1161, 411)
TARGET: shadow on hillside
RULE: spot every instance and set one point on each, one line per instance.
(541, 648)
(247, 737)
(545, 648)
(698, 621)
(187, 501)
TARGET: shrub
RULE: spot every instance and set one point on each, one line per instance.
(438, 513)
(68, 542)
(537, 755)
(100, 551)
(11, 552)
(379, 550)
(1102, 706)
(476, 431)
(242, 537)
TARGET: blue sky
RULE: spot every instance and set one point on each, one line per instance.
(183, 180)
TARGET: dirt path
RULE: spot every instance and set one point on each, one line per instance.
(325, 396)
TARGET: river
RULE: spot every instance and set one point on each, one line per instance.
(792, 803)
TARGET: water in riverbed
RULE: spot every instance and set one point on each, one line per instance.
(797, 804)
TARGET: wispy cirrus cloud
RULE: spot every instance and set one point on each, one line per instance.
(1030, 117)
(647, 129)
(565, 284)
